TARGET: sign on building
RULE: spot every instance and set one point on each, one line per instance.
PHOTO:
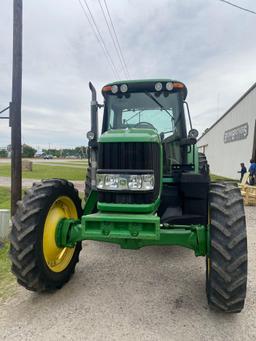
(237, 133)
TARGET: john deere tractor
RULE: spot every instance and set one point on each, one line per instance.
(146, 185)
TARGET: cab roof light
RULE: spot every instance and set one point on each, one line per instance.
(169, 86)
(177, 85)
(114, 89)
(124, 88)
(106, 88)
(158, 86)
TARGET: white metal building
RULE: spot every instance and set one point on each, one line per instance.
(232, 138)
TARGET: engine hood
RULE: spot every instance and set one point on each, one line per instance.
(130, 135)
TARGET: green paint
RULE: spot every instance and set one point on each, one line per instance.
(189, 236)
(143, 226)
(130, 135)
(168, 180)
(196, 160)
(208, 241)
(132, 208)
(91, 202)
(131, 231)
(64, 226)
(193, 157)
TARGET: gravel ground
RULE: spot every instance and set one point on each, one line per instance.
(5, 181)
(150, 294)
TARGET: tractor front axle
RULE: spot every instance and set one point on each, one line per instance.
(130, 231)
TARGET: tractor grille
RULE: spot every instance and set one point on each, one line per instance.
(130, 156)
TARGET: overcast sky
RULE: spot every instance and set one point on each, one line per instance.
(207, 44)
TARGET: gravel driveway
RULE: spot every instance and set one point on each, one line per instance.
(150, 294)
(27, 183)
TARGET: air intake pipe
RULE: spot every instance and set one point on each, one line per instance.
(93, 135)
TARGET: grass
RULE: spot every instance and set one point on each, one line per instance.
(65, 164)
(7, 280)
(5, 197)
(218, 178)
(45, 171)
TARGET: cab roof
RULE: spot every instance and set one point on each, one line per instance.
(147, 85)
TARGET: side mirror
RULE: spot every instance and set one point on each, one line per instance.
(193, 133)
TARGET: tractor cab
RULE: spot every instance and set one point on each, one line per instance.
(138, 106)
(156, 105)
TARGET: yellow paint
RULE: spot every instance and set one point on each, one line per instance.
(57, 259)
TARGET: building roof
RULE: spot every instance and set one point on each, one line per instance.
(231, 108)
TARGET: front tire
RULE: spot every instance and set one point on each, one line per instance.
(37, 262)
(226, 273)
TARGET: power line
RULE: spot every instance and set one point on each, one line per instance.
(98, 31)
(242, 8)
(5, 117)
(98, 36)
(4, 109)
(113, 40)
(119, 47)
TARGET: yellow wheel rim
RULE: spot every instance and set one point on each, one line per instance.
(57, 259)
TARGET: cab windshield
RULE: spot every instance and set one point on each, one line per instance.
(153, 110)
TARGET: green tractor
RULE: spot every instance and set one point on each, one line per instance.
(146, 185)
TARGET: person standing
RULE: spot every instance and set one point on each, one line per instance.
(242, 171)
(252, 171)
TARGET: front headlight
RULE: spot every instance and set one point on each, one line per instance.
(126, 182)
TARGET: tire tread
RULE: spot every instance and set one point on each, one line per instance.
(226, 282)
(24, 235)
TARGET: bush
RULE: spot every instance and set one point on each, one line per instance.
(3, 153)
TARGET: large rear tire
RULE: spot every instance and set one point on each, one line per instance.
(37, 262)
(226, 264)
(204, 168)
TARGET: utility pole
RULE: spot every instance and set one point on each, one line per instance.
(15, 107)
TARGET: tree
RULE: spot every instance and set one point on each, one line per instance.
(28, 151)
(81, 152)
(3, 153)
(53, 152)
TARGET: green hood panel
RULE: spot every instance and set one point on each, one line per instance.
(130, 135)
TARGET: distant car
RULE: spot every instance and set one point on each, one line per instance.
(39, 155)
(48, 157)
